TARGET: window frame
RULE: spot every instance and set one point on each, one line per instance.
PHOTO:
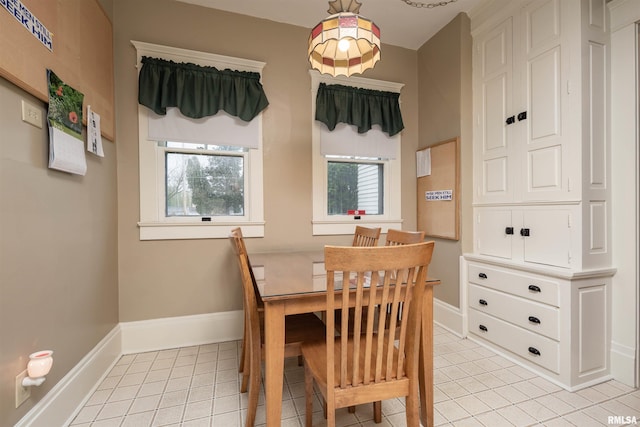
(153, 223)
(325, 224)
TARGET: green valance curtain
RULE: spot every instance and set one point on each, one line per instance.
(199, 91)
(362, 108)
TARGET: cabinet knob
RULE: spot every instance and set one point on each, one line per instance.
(534, 319)
(483, 302)
(508, 230)
(522, 116)
(534, 350)
(511, 120)
(525, 232)
(483, 328)
(482, 275)
(534, 288)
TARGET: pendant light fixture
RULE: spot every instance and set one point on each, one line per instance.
(344, 43)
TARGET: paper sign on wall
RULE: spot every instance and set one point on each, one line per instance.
(432, 196)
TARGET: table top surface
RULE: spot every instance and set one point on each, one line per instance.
(295, 273)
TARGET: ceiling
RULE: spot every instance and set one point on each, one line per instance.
(400, 24)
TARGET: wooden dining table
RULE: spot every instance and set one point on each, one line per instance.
(295, 282)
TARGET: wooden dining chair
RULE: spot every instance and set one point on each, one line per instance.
(366, 366)
(298, 328)
(236, 234)
(365, 236)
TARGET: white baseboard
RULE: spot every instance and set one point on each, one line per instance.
(184, 331)
(623, 364)
(449, 317)
(65, 399)
(61, 403)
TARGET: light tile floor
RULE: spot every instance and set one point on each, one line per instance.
(199, 386)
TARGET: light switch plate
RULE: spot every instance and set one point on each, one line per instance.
(31, 114)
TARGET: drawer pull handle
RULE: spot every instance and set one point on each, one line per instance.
(534, 288)
(482, 302)
(483, 328)
(534, 350)
(482, 275)
(533, 319)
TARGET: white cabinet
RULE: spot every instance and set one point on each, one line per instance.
(556, 326)
(538, 280)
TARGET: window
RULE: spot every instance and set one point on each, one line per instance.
(355, 185)
(199, 178)
(203, 181)
(356, 177)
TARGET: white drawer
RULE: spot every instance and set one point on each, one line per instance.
(523, 285)
(531, 315)
(527, 345)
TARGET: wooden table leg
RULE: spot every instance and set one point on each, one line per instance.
(273, 361)
(426, 359)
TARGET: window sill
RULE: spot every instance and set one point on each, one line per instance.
(164, 231)
(326, 228)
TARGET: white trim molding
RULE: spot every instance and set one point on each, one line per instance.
(61, 405)
(625, 193)
(184, 331)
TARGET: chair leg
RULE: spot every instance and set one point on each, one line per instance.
(331, 416)
(300, 360)
(246, 362)
(377, 412)
(254, 387)
(308, 392)
(413, 411)
(244, 350)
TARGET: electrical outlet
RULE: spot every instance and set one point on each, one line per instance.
(22, 393)
(31, 114)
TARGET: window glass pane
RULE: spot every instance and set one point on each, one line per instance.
(204, 184)
(355, 186)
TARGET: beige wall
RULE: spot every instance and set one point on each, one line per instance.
(69, 245)
(444, 73)
(183, 277)
(58, 263)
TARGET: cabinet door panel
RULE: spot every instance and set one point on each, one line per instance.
(495, 112)
(544, 159)
(542, 23)
(493, 58)
(491, 238)
(544, 168)
(549, 239)
(544, 96)
(495, 176)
